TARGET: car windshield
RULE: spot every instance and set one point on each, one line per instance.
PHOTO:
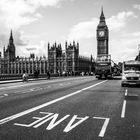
(132, 69)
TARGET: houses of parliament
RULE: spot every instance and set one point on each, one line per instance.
(58, 61)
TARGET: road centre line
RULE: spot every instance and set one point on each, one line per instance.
(123, 109)
(126, 92)
(124, 105)
(7, 119)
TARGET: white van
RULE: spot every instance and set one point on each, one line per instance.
(130, 73)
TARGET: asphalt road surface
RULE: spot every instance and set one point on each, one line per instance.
(74, 108)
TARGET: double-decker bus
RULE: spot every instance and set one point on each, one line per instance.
(103, 67)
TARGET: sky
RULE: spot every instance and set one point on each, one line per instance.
(36, 22)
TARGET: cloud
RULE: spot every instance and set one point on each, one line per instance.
(87, 29)
(31, 49)
(83, 30)
(19, 38)
(38, 49)
(17, 13)
(137, 6)
(124, 48)
(132, 34)
(119, 21)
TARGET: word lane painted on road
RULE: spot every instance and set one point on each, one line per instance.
(75, 120)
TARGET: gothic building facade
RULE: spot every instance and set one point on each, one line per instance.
(59, 61)
(68, 60)
(12, 65)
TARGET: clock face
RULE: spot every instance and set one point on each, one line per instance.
(101, 33)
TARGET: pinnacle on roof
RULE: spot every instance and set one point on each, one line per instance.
(11, 35)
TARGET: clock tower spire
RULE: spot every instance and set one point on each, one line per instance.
(102, 36)
(102, 17)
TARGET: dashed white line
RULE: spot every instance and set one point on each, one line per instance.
(123, 109)
(124, 105)
(126, 92)
(7, 119)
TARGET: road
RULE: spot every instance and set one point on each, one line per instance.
(74, 108)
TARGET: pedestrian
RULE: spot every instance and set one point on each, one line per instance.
(48, 75)
(25, 77)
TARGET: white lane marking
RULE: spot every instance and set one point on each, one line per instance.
(106, 122)
(124, 105)
(7, 119)
(53, 122)
(4, 95)
(1, 96)
(72, 125)
(126, 92)
(123, 109)
(31, 89)
(38, 119)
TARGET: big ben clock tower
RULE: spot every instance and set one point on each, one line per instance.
(102, 36)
